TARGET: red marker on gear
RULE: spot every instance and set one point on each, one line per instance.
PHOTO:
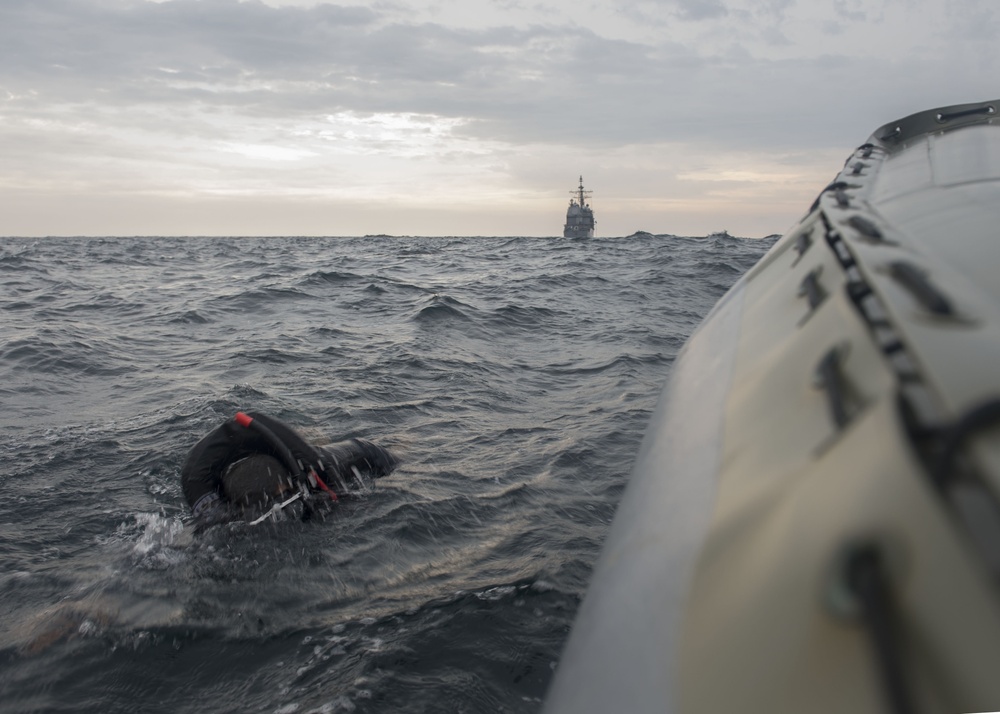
(243, 420)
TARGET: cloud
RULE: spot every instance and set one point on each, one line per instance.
(220, 95)
(537, 84)
(700, 9)
(534, 83)
(664, 11)
(851, 10)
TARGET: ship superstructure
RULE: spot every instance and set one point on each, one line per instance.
(579, 215)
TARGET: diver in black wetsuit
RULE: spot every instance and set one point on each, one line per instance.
(253, 461)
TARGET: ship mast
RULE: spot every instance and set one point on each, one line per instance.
(582, 193)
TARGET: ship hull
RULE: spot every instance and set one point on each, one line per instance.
(578, 232)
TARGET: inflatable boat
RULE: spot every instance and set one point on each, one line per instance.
(813, 521)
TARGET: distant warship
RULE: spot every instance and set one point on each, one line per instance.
(579, 216)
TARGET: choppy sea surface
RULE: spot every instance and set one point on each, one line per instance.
(513, 376)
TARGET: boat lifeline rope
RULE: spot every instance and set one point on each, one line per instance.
(866, 578)
(954, 436)
(285, 454)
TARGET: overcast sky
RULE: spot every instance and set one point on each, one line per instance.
(458, 117)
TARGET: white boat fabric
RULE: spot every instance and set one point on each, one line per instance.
(812, 523)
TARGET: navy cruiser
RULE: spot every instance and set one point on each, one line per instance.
(579, 215)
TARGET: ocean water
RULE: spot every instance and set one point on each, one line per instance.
(513, 376)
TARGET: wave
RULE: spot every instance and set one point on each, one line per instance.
(441, 308)
(513, 377)
(330, 277)
(66, 356)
